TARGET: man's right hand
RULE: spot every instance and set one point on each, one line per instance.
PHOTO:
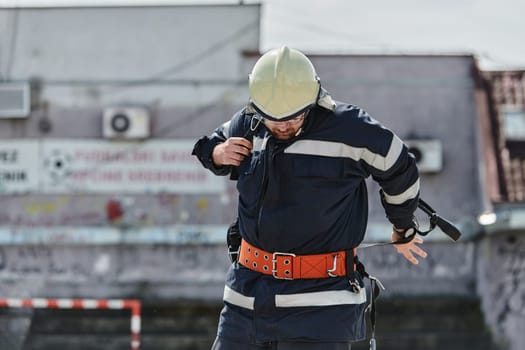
(410, 249)
(231, 152)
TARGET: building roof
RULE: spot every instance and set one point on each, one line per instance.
(506, 99)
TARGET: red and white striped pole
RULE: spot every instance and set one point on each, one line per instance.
(114, 304)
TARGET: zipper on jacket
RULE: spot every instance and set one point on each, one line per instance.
(271, 151)
(269, 158)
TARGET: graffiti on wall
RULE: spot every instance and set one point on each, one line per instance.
(503, 281)
(116, 210)
(38, 267)
(449, 268)
(173, 234)
(114, 264)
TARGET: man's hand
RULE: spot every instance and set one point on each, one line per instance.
(231, 152)
(408, 249)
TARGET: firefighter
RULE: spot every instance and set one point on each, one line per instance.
(300, 160)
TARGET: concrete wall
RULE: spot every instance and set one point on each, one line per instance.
(185, 64)
(501, 285)
(181, 62)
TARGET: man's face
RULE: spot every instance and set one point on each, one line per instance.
(285, 130)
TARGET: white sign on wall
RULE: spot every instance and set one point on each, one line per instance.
(18, 166)
(102, 166)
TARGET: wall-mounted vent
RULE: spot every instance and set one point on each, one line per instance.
(14, 100)
(428, 154)
(126, 123)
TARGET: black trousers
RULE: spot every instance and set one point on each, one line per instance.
(227, 344)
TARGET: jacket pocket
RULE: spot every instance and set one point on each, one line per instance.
(250, 181)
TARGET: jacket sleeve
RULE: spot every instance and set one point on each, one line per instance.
(395, 170)
(400, 188)
(203, 148)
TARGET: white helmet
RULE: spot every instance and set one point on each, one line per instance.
(283, 83)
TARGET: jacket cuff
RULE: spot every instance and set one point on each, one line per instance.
(203, 150)
(402, 223)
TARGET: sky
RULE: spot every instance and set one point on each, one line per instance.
(490, 30)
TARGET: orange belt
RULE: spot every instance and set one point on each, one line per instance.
(290, 266)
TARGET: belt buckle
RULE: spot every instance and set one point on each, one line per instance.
(274, 265)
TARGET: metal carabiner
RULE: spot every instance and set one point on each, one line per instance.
(258, 120)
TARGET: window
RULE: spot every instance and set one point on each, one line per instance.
(514, 124)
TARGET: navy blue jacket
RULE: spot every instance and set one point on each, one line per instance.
(308, 195)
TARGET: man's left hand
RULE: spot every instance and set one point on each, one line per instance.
(410, 250)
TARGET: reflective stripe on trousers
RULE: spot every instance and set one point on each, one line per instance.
(325, 298)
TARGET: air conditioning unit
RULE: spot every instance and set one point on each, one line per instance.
(14, 100)
(126, 123)
(428, 154)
